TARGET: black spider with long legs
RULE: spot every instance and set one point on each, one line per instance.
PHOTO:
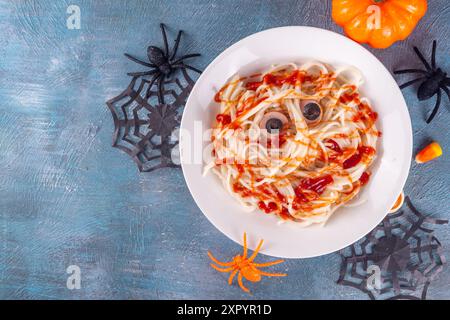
(434, 80)
(162, 62)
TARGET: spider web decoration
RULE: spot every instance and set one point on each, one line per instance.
(404, 249)
(144, 127)
(148, 112)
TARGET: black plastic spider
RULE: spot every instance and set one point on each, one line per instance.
(434, 80)
(163, 63)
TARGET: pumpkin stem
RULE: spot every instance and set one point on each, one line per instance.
(377, 1)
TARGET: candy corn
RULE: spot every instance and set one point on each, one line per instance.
(430, 152)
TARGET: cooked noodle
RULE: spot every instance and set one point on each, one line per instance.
(309, 169)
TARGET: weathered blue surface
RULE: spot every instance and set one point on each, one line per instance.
(67, 197)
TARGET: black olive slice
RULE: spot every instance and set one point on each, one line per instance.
(274, 124)
(312, 111)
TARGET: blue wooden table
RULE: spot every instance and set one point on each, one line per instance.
(68, 198)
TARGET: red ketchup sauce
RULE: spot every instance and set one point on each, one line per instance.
(217, 97)
(279, 80)
(357, 156)
(267, 208)
(274, 199)
(317, 185)
(333, 145)
(365, 113)
(364, 179)
(223, 119)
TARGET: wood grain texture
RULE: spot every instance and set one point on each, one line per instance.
(67, 197)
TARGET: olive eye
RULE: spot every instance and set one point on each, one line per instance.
(312, 111)
(273, 122)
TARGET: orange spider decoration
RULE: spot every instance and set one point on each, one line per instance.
(245, 266)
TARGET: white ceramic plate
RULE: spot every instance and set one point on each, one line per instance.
(299, 44)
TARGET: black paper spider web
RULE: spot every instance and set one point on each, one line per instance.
(146, 113)
(144, 127)
(404, 249)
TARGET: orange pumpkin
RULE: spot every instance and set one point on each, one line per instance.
(379, 23)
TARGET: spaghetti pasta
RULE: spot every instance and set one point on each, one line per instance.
(296, 141)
